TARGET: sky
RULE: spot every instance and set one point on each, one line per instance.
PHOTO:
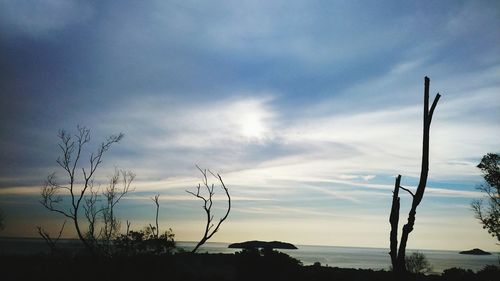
(307, 109)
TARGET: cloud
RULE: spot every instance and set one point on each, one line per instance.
(254, 143)
(40, 18)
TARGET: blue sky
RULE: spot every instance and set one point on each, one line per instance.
(308, 110)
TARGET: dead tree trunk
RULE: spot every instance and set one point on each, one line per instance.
(398, 259)
(394, 220)
(156, 200)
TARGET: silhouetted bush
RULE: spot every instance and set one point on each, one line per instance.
(186, 266)
(145, 242)
(489, 272)
(266, 264)
(458, 274)
(417, 263)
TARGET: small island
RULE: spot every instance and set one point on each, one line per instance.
(255, 244)
(475, 251)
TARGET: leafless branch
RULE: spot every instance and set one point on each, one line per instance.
(51, 242)
(210, 227)
(407, 190)
(156, 199)
(128, 228)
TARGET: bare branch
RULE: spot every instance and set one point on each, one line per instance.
(157, 203)
(50, 197)
(434, 103)
(210, 228)
(51, 242)
(228, 207)
(83, 137)
(407, 190)
(91, 212)
(128, 228)
(113, 195)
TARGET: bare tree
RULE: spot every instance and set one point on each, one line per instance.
(156, 230)
(100, 236)
(71, 151)
(112, 196)
(398, 256)
(210, 227)
(92, 213)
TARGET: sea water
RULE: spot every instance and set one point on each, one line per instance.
(334, 256)
(365, 258)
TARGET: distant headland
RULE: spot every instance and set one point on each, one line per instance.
(475, 251)
(255, 244)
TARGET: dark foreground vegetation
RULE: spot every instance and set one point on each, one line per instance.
(245, 265)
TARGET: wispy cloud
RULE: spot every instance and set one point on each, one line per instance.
(41, 18)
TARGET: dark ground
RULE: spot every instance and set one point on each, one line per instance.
(187, 266)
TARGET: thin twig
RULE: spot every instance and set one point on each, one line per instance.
(407, 190)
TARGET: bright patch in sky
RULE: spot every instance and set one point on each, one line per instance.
(251, 125)
(252, 120)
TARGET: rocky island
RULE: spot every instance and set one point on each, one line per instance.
(255, 244)
(475, 251)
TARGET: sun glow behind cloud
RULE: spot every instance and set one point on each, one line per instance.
(252, 120)
(251, 125)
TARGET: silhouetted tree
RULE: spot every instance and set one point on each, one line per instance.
(112, 195)
(489, 215)
(398, 255)
(156, 229)
(110, 224)
(71, 152)
(210, 227)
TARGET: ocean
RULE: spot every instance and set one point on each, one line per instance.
(366, 258)
(334, 256)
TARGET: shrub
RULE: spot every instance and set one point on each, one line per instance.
(145, 242)
(417, 263)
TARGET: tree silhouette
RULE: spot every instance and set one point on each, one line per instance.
(156, 229)
(489, 215)
(207, 199)
(80, 192)
(111, 225)
(398, 255)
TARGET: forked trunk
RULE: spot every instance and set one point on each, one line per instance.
(398, 255)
